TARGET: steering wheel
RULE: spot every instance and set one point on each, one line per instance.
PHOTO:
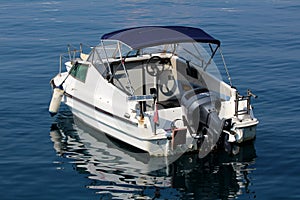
(166, 89)
(155, 66)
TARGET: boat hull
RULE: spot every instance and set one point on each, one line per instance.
(245, 134)
(105, 123)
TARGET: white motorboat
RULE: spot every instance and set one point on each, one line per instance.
(157, 88)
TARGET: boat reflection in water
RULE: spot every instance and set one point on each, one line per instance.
(118, 171)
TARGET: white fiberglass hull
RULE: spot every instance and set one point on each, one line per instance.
(126, 131)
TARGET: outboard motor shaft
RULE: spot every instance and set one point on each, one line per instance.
(200, 116)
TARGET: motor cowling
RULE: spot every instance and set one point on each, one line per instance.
(200, 114)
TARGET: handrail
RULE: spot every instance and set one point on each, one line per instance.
(240, 98)
(70, 55)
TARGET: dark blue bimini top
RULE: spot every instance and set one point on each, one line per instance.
(148, 36)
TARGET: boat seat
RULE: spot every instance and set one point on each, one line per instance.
(171, 103)
(84, 56)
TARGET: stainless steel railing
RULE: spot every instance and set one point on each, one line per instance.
(239, 98)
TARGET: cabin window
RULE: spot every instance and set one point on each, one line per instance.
(79, 71)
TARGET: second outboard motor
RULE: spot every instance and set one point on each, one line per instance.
(200, 116)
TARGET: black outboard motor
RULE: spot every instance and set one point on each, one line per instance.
(200, 116)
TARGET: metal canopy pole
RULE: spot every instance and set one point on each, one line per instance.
(105, 56)
(124, 68)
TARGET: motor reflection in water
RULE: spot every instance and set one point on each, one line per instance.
(117, 171)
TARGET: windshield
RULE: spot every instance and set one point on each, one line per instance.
(201, 56)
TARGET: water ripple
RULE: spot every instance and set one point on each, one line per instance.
(261, 45)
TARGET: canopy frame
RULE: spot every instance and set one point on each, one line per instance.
(148, 36)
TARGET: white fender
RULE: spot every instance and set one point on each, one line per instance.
(55, 101)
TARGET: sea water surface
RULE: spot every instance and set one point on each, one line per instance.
(57, 158)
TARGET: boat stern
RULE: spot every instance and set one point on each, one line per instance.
(243, 123)
(242, 131)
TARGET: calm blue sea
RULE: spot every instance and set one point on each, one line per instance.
(261, 44)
